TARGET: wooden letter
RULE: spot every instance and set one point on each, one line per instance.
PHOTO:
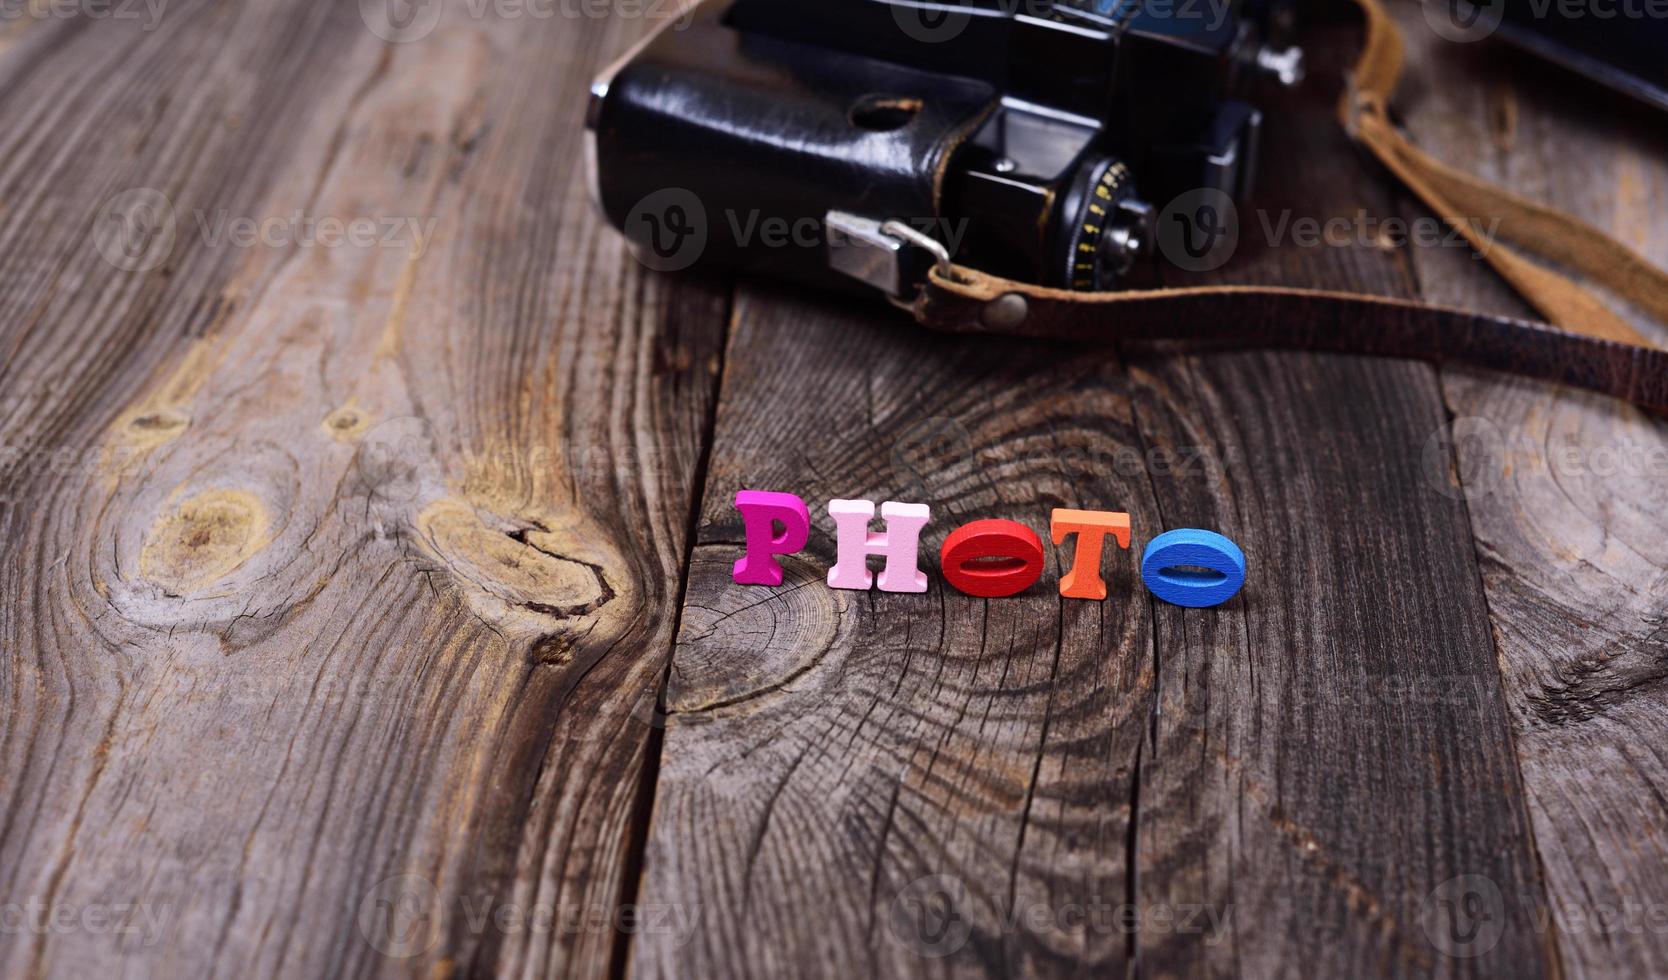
(1091, 528)
(761, 512)
(900, 543)
(1017, 546)
(1170, 566)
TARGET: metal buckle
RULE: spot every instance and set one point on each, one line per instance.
(888, 255)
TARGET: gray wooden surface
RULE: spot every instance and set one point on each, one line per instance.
(368, 607)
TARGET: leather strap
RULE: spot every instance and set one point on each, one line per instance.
(1464, 201)
(968, 302)
(1591, 347)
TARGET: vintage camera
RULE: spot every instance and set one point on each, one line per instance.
(837, 140)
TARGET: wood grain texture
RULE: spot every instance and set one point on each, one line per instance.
(323, 648)
(1334, 763)
(342, 580)
(1051, 787)
(833, 757)
(1309, 756)
(1566, 494)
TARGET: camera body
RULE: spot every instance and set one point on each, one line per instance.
(828, 141)
(1624, 50)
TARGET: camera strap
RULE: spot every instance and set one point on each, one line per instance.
(1590, 347)
(960, 300)
(1465, 202)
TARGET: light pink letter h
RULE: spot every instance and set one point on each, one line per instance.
(899, 543)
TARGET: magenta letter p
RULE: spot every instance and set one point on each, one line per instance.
(761, 511)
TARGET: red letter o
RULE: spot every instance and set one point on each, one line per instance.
(1018, 547)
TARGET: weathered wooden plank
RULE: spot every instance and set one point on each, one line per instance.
(834, 758)
(1565, 493)
(1335, 762)
(325, 650)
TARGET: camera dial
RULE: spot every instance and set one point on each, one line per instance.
(1104, 226)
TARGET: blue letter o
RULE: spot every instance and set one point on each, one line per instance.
(1199, 549)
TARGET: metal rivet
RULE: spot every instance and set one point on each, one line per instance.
(1005, 312)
